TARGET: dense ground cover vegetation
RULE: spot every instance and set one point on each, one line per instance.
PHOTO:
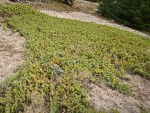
(63, 55)
(133, 13)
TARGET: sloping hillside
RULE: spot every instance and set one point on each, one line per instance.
(73, 66)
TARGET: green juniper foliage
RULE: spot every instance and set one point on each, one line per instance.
(133, 13)
(62, 54)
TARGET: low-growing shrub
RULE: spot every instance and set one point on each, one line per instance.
(62, 55)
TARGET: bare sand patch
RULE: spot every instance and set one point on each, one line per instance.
(109, 99)
(11, 52)
(85, 6)
(105, 97)
(141, 89)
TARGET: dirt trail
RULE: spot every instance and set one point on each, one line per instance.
(90, 18)
(11, 52)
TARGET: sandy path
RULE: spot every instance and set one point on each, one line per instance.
(11, 53)
(90, 18)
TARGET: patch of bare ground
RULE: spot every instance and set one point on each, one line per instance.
(3, 1)
(79, 6)
(141, 89)
(11, 52)
(34, 109)
(105, 97)
(85, 6)
(36, 105)
(51, 5)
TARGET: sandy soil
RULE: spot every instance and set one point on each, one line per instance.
(85, 6)
(4, 2)
(141, 89)
(105, 97)
(90, 18)
(11, 52)
(37, 104)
